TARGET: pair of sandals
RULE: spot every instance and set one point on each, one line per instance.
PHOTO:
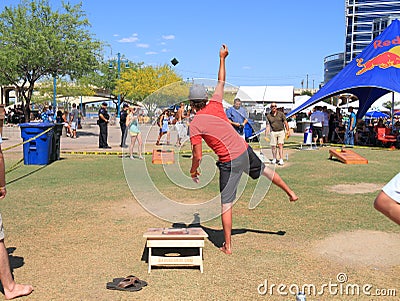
(129, 283)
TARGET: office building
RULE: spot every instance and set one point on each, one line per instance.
(360, 16)
(365, 20)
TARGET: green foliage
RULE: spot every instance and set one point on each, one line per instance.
(306, 92)
(36, 41)
(139, 84)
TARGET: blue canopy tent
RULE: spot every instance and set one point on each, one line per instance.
(374, 73)
(376, 114)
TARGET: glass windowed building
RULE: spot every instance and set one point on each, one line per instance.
(365, 20)
(360, 16)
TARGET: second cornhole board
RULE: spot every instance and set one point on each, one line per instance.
(347, 156)
(163, 156)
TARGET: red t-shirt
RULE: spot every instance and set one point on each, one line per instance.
(212, 125)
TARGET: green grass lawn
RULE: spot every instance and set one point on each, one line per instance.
(76, 225)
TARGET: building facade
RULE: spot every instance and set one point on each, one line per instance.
(365, 20)
(360, 16)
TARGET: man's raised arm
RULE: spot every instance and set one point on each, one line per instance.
(223, 53)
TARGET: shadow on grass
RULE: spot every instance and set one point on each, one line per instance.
(26, 175)
(216, 237)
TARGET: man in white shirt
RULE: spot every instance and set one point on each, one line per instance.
(317, 120)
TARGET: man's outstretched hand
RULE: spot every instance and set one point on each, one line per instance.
(223, 52)
(195, 176)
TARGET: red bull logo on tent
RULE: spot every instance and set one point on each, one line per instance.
(384, 60)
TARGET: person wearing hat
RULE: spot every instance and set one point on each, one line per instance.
(104, 118)
(122, 124)
(235, 156)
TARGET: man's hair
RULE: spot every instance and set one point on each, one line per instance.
(198, 105)
(74, 105)
(236, 100)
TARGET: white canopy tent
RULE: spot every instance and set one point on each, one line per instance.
(266, 94)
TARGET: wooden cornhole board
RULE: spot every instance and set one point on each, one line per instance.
(175, 238)
(163, 156)
(347, 156)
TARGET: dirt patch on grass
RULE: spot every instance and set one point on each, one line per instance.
(361, 248)
(355, 188)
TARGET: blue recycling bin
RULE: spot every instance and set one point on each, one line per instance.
(39, 150)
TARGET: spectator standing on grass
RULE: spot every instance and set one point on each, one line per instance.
(318, 121)
(237, 116)
(235, 156)
(276, 127)
(11, 288)
(350, 128)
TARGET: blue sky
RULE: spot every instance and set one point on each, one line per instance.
(270, 42)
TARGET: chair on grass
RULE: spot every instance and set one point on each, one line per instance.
(385, 137)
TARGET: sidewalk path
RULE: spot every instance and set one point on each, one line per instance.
(88, 139)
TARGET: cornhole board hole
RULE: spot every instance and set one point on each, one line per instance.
(175, 238)
(163, 156)
(347, 156)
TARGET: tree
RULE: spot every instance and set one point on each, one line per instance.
(388, 105)
(36, 42)
(153, 86)
(105, 77)
(65, 88)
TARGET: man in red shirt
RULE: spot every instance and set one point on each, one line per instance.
(235, 156)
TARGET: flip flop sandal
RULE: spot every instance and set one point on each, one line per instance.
(135, 279)
(125, 284)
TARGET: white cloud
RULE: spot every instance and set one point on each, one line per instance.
(115, 35)
(169, 37)
(142, 45)
(246, 67)
(151, 53)
(164, 50)
(132, 39)
(163, 43)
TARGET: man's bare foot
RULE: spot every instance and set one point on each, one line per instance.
(225, 249)
(19, 290)
(293, 197)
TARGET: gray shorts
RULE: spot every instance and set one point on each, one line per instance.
(231, 172)
(1, 228)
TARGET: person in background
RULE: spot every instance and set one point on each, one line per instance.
(163, 122)
(50, 114)
(237, 116)
(350, 128)
(276, 127)
(11, 289)
(325, 126)
(74, 120)
(43, 116)
(318, 120)
(132, 124)
(122, 124)
(103, 121)
(388, 200)
(179, 125)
